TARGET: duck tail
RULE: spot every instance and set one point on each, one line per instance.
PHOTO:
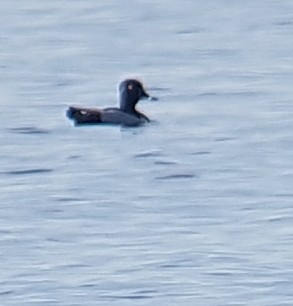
(83, 116)
(70, 113)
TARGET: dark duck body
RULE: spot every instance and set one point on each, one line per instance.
(130, 92)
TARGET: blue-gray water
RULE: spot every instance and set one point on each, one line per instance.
(193, 209)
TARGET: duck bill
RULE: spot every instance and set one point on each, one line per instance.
(153, 98)
(150, 98)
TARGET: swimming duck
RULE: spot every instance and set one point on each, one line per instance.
(130, 92)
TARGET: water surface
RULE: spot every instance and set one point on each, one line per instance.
(193, 209)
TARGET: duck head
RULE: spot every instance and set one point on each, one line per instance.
(130, 92)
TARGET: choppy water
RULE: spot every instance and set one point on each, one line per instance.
(193, 209)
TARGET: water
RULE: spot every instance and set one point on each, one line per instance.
(193, 209)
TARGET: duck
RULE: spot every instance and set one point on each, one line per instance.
(130, 91)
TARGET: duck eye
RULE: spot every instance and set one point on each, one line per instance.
(130, 86)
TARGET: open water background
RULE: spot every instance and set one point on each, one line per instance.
(193, 209)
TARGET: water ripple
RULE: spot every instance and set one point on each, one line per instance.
(164, 162)
(28, 171)
(201, 153)
(68, 199)
(128, 297)
(231, 94)
(7, 292)
(28, 130)
(148, 154)
(219, 139)
(176, 176)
